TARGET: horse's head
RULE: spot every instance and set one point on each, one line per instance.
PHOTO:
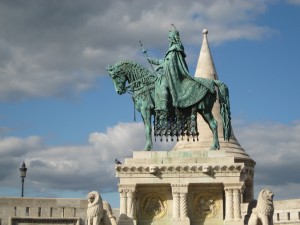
(118, 77)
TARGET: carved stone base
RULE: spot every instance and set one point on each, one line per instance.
(182, 188)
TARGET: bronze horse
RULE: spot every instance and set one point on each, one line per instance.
(141, 83)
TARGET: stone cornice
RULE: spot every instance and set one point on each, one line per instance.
(182, 169)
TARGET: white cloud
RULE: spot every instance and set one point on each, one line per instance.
(274, 147)
(19, 147)
(61, 167)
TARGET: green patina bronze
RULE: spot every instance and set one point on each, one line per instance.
(172, 96)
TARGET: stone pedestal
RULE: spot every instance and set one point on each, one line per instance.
(183, 187)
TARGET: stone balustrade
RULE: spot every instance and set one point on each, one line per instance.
(73, 211)
(43, 211)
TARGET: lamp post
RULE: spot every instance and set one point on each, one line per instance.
(23, 170)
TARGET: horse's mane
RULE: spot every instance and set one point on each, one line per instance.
(133, 65)
(136, 72)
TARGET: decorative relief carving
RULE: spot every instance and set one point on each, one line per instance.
(153, 206)
(140, 169)
(175, 169)
(179, 188)
(126, 188)
(193, 168)
(127, 200)
(163, 169)
(186, 168)
(207, 169)
(206, 206)
(170, 169)
(231, 186)
(153, 169)
(246, 173)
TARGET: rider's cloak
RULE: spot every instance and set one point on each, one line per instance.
(184, 89)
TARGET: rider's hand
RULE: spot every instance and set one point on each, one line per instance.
(159, 67)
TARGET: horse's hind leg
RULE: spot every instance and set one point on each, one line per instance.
(213, 125)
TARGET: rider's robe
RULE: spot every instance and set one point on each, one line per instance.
(184, 89)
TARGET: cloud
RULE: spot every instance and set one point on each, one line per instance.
(73, 168)
(55, 48)
(18, 147)
(13, 151)
(274, 147)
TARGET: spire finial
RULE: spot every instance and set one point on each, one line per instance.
(205, 31)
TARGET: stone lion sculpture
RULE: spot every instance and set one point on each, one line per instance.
(262, 214)
(99, 212)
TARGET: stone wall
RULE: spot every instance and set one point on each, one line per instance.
(286, 212)
(73, 211)
(43, 211)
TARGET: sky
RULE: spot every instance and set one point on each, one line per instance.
(60, 114)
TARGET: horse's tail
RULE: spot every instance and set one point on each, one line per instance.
(223, 94)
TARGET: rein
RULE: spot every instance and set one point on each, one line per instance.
(131, 84)
(137, 80)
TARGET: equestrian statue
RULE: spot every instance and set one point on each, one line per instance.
(172, 96)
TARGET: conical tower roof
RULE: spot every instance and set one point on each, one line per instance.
(206, 69)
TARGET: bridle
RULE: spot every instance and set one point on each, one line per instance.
(129, 88)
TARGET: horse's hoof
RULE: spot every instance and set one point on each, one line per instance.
(214, 148)
(147, 149)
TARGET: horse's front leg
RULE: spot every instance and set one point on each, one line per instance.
(146, 115)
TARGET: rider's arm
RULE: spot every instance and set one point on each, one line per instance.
(155, 61)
